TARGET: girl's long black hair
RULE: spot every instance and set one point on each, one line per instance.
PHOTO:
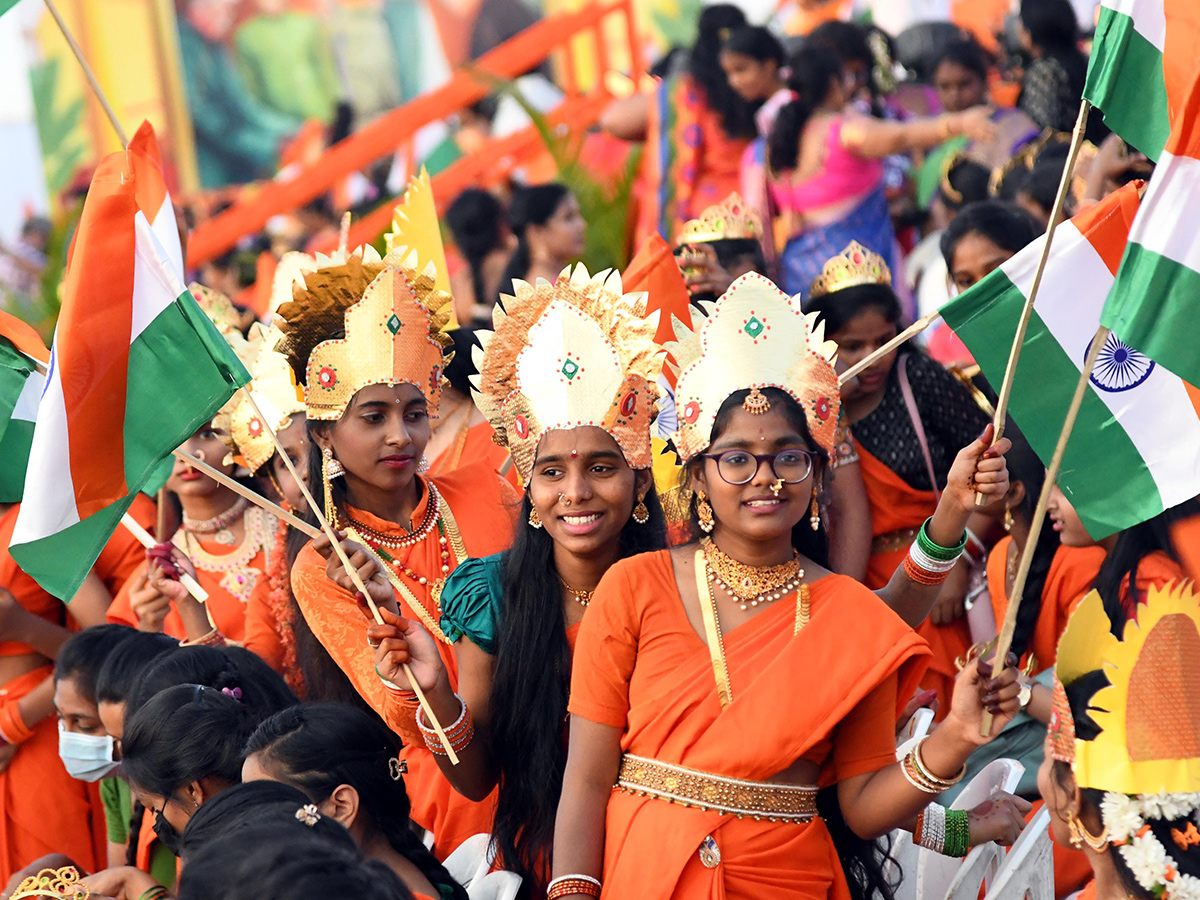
(256, 685)
(1025, 466)
(183, 734)
(1117, 579)
(716, 24)
(534, 205)
(813, 71)
(862, 860)
(318, 746)
(476, 221)
(533, 675)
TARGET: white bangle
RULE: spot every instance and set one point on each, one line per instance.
(933, 828)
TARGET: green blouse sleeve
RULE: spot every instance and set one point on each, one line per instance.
(471, 601)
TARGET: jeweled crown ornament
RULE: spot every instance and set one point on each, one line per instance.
(564, 355)
(393, 335)
(730, 220)
(279, 398)
(53, 884)
(755, 336)
(854, 266)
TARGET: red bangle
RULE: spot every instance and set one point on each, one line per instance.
(12, 727)
(569, 887)
(923, 576)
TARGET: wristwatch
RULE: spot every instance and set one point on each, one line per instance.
(1025, 694)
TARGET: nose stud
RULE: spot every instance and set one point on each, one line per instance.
(777, 486)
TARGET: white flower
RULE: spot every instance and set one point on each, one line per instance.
(1122, 815)
(1147, 860)
(1173, 806)
(1184, 887)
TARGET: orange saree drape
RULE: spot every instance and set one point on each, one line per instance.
(895, 506)
(483, 506)
(640, 666)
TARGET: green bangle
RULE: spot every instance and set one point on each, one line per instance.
(154, 893)
(958, 833)
(937, 551)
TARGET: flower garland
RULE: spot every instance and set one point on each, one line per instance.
(1125, 818)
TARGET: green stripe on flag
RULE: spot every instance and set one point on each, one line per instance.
(14, 454)
(6, 5)
(181, 371)
(1102, 471)
(1125, 79)
(1154, 307)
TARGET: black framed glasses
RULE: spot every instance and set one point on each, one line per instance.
(740, 466)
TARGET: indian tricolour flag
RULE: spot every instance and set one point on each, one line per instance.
(1142, 65)
(23, 358)
(1132, 453)
(135, 368)
(1155, 303)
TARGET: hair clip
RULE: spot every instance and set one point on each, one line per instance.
(235, 693)
(309, 814)
(397, 768)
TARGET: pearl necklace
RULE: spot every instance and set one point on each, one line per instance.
(750, 585)
(218, 526)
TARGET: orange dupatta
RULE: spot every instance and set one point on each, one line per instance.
(895, 506)
(640, 666)
(483, 506)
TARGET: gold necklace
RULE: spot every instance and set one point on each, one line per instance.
(583, 598)
(415, 536)
(751, 585)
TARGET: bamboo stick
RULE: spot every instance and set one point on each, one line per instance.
(134, 527)
(906, 335)
(87, 72)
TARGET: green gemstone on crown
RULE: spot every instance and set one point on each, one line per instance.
(570, 368)
(393, 324)
(754, 327)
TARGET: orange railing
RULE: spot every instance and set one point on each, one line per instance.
(560, 38)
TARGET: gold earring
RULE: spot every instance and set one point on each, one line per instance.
(641, 514)
(534, 519)
(814, 510)
(1008, 519)
(1080, 834)
(704, 513)
(330, 469)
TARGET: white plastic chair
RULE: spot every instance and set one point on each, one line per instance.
(469, 865)
(495, 886)
(931, 876)
(470, 859)
(904, 853)
(1028, 870)
(918, 726)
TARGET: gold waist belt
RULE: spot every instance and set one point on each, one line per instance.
(894, 540)
(731, 796)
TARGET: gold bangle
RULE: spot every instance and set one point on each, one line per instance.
(944, 783)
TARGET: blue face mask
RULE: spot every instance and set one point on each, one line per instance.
(88, 757)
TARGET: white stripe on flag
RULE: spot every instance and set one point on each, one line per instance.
(166, 229)
(155, 286)
(26, 407)
(49, 467)
(1149, 18)
(1157, 415)
(1170, 201)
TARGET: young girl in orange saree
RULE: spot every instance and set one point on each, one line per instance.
(718, 686)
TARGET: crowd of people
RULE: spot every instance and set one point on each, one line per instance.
(644, 595)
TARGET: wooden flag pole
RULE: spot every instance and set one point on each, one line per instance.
(1004, 641)
(87, 72)
(350, 570)
(906, 335)
(253, 496)
(1014, 354)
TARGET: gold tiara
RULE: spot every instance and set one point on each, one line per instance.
(731, 220)
(853, 267)
(60, 884)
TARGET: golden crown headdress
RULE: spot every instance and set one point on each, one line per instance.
(1149, 714)
(755, 336)
(563, 355)
(222, 313)
(60, 884)
(854, 266)
(415, 227)
(730, 220)
(278, 397)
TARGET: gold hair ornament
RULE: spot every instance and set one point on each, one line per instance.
(853, 267)
(730, 220)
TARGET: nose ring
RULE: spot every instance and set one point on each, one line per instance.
(565, 501)
(777, 486)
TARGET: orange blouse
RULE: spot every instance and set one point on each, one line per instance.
(1071, 574)
(271, 616)
(119, 559)
(228, 574)
(483, 506)
(474, 445)
(829, 694)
